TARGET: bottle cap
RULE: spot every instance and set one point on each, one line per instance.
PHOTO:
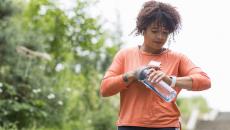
(143, 74)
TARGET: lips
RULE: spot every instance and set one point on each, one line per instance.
(157, 42)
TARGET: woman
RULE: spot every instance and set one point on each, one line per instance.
(140, 108)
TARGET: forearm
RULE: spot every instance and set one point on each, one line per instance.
(195, 82)
(112, 85)
(184, 82)
(129, 77)
(181, 82)
(200, 81)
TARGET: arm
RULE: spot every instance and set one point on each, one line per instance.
(185, 82)
(116, 79)
(113, 81)
(181, 82)
(192, 77)
(195, 82)
(112, 84)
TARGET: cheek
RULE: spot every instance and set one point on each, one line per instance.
(165, 37)
(148, 36)
(151, 35)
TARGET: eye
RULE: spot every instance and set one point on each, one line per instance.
(165, 32)
(154, 31)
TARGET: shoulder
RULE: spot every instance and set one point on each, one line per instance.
(176, 54)
(180, 57)
(129, 49)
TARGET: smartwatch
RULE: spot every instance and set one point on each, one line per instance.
(173, 81)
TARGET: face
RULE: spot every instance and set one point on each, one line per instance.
(155, 36)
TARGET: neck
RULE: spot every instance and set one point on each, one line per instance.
(153, 51)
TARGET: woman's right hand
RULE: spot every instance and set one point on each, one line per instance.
(135, 75)
(150, 68)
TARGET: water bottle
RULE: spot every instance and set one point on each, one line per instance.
(162, 89)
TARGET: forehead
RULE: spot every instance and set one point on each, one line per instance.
(157, 25)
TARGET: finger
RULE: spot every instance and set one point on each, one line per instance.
(153, 66)
(150, 71)
(160, 77)
(152, 75)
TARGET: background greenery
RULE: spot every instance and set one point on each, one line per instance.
(51, 65)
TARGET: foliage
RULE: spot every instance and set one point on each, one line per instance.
(51, 66)
(187, 105)
(6, 8)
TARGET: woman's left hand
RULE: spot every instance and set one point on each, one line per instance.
(155, 76)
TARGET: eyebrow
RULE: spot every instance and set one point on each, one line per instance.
(154, 27)
(164, 29)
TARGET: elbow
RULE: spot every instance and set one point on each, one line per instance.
(106, 93)
(111, 86)
(207, 84)
(202, 84)
(103, 93)
(105, 90)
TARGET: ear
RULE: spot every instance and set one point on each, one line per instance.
(143, 32)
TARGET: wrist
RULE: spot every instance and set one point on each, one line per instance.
(128, 76)
(173, 81)
(125, 77)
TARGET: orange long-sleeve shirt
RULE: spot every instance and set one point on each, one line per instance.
(139, 106)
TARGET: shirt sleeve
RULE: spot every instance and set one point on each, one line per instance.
(112, 83)
(201, 81)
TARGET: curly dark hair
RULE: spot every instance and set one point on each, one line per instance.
(162, 13)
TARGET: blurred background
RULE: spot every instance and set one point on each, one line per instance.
(54, 53)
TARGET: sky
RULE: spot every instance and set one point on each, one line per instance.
(203, 38)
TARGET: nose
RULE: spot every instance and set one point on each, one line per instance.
(160, 35)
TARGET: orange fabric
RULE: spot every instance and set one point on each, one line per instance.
(139, 106)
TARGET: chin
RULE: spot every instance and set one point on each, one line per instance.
(158, 47)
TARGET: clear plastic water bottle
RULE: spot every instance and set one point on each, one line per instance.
(165, 91)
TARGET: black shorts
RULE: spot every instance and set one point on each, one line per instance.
(144, 128)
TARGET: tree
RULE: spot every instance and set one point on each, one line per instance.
(187, 105)
(51, 66)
